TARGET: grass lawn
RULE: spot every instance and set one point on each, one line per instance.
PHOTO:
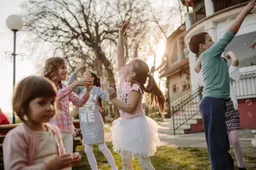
(168, 158)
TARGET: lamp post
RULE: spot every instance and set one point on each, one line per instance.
(14, 23)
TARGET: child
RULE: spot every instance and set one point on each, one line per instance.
(134, 134)
(91, 122)
(55, 70)
(232, 115)
(3, 119)
(216, 90)
(36, 144)
(253, 44)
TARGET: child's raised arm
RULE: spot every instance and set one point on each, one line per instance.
(198, 65)
(235, 61)
(120, 46)
(240, 18)
(79, 67)
(253, 44)
(73, 77)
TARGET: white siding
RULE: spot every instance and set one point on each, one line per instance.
(246, 87)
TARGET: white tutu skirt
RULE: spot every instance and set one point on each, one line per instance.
(138, 136)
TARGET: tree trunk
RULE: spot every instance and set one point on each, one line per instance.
(109, 69)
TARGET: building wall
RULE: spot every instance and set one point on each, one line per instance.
(247, 111)
(216, 26)
(178, 78)
(175, 47)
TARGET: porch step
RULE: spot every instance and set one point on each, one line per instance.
(182, 115)
(169, 124)
(197, 116)
(194, 125)
(169, 131)
(195, 128)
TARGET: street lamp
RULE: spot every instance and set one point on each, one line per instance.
(14, 23)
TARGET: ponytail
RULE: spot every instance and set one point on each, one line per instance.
(96, 82)
(156, 95)
(142, 75)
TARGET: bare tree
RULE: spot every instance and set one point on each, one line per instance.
(162, 18)
(85, 29)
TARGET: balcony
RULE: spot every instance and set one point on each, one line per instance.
(198, 12)
(223, 4)
(245, 87)
(198, 6)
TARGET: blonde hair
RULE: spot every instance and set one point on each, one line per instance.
(142, 75)
(52, 66)
(28, 89)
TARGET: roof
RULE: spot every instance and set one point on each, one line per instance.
(180, 64)
(180, 29)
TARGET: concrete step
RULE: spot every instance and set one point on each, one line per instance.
(167, 124)
(180, 117)
(192, 121)
(169, 131)
(197, 116)
(170, 126)
(190, 109)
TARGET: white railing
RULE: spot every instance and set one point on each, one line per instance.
(246, 87)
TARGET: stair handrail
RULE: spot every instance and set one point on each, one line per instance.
(182, 101)
(175, 96)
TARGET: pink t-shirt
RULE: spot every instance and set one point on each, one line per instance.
(124, 89)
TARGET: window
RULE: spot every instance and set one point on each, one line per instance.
(186, 84)
(175, 88)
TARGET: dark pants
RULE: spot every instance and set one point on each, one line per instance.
(213, 113)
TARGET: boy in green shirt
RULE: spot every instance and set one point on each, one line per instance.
(216, 90)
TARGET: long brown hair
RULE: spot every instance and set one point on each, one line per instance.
(52, 66)
(96, 82)
(142, 75)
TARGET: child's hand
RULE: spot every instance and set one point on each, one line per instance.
(230, 55)
(85, 81)
(112, 93)
(80, 66)
(76, 159)
(250, 6)
(253, 44)
(59, 162)
(124, 26)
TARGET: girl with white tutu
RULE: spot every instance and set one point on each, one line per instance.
(134, 134)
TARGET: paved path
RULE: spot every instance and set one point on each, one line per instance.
(193, 140)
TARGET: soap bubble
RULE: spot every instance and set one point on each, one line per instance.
(249, 114)
(248, 102)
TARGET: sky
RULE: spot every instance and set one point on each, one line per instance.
(25, 66)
